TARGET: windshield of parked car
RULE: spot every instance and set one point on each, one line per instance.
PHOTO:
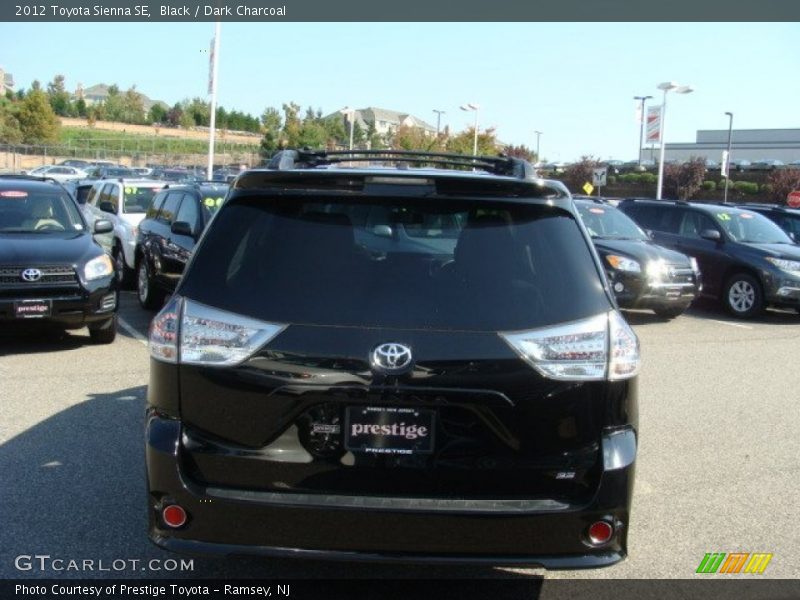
(605, 221)
(750, 227)
(396, 262)
(23, 211)
(137, 199)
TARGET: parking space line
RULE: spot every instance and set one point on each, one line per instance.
(739, 325)
(130, 330)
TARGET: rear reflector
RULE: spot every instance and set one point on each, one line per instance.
(174, 516)
(600, 532)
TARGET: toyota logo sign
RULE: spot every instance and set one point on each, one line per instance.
(31, 275)
(391, 357)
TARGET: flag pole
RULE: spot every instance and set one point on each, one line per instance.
(212, 89)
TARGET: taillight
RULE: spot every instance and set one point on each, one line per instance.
(597, 348)
(192, 333)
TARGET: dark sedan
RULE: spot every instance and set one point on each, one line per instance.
(641, 273)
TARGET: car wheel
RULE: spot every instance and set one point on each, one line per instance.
(124, 272)
(150, 297)
(104, 332)
(669, 312)
(742, 296)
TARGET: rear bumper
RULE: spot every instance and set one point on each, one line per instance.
(224, 521)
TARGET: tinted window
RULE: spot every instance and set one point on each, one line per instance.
(155, 205)
(189, 213)
(693, 223)
(110, 194)
(170, 207)
(657, 218)
(510, 266)
(93, 195)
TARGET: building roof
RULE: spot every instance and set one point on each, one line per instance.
(372, 114)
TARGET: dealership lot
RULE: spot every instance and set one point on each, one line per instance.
(717, 466)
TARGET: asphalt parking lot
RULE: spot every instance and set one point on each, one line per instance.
(717, 468)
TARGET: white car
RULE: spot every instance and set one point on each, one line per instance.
(59, 172)
(124, 202)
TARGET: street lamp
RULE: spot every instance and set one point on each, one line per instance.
(678, 89)
(642, 119)
(350, 113)
(538, 156)
(473, 107)
(728, 156)
(439, 114)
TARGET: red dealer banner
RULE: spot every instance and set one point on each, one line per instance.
(653, 124)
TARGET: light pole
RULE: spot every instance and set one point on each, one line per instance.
(350, 113)
(642, 119)
(473, 107)
(212, 89)
(728, 156)
(538, 156)
(666, 87)
(439, 114)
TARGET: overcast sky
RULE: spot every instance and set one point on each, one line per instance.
(575, 82)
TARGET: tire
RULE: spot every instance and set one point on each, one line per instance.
(743, 297)
(669, 312)
(150, 297)
(124, 272)
(104, 332)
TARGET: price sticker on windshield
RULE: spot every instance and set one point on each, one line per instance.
(213, 202)
(13, 194)
(723, 216)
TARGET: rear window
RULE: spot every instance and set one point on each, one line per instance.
(400, 263)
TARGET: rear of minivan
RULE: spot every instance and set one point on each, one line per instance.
(395, 367)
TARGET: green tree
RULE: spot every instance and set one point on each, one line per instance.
(271, 125)
(80, 107)
(132, 107)
(59, 97)
(157, 113)
(37, 121)
(521, 151)
(113, 106)
(10, 132)
(291, 125)
(463, 142)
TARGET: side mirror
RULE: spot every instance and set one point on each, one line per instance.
(108, 207)
(103, 226)
(182, 228)
(382, 231)
(712, 235)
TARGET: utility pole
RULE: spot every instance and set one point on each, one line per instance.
(439, 114)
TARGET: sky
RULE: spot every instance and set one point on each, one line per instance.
(574, 82)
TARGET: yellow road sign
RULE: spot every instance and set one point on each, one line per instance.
(588, 188)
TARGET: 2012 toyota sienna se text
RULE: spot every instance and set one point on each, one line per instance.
(394, 363)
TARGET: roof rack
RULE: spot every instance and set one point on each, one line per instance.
(196, 183)
(308, 159)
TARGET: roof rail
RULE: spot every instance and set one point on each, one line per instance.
(194, 183)
(308, 159)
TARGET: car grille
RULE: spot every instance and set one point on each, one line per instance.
(51, 275)
(677, 274)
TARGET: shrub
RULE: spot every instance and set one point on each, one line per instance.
(709, 185)
(649, 178)
(682, 181)
(721, 184)
(631, 178)
(782, 181)
(746, 187)
(612, 180)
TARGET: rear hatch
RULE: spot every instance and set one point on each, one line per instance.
(387, 365)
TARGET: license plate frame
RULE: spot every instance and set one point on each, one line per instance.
(33, 308)
(394, 426)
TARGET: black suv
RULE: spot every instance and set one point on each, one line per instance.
(747, 261)
(52, 271)
(642, 274)
(168, 233)
(394, 363)
(786, 218)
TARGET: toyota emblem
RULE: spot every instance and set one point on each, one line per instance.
(391, 357)
(31, 275)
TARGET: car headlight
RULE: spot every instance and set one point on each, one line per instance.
(790, 266)
(98, 267)
(620, 263)
(656, 268)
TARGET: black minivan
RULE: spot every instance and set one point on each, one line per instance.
(747, 261)
(53, 273)
(394, 363)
